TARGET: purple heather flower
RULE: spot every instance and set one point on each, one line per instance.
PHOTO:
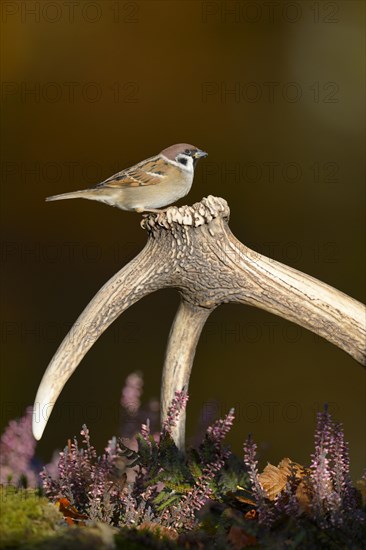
(145, 431)
(265, 513)
(131, 393)
(287, 502)
(84, 478)
(340, 472)
(17, 447)
(334, 500)
(320, 475)
(178, 404)
(201, 492)
(134, 413)
(218, 431)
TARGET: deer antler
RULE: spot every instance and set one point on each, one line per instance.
(192, 249)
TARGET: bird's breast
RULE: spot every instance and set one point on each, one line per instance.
(159, 195)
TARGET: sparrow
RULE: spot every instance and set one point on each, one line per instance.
(148, 185)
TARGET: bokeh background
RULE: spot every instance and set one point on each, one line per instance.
(274, 92)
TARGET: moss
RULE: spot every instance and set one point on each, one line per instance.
(76, 538)
(29, 521)
(26, 517)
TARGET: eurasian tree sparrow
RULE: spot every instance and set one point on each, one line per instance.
(149, 185)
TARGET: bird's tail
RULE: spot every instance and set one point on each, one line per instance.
(83, 194)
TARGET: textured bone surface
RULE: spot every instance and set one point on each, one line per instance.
(191, 249)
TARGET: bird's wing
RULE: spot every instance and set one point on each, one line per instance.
(148, 172)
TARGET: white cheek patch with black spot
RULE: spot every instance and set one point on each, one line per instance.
(185, 162)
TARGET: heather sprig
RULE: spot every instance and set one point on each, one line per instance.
(287, 501)
(323, 500)
(219, 430)
(17, 447)
(168, 486)
(265, 512)
(145, 431)
(87, 481)
(178, 404)
(327, 494)
(212, 460)
(134, 413)
(131, 393)
(334, 498)
(145, 480)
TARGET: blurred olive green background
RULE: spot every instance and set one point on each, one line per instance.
(274, 92)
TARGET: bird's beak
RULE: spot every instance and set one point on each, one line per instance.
(199, 154)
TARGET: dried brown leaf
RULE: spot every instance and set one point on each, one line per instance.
(303, 496)
(274, 478)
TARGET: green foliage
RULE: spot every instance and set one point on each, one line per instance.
(231, 475)
(30, 522)
(203, 498)
(181, 472)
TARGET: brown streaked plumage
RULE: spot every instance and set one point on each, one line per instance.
(150, 184)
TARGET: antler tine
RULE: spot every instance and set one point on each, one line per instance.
(139, 278)
(192, 249)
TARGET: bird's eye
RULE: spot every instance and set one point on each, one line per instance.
(187, 151)
(183, 160)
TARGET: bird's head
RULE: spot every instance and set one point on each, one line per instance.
(184, 154)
